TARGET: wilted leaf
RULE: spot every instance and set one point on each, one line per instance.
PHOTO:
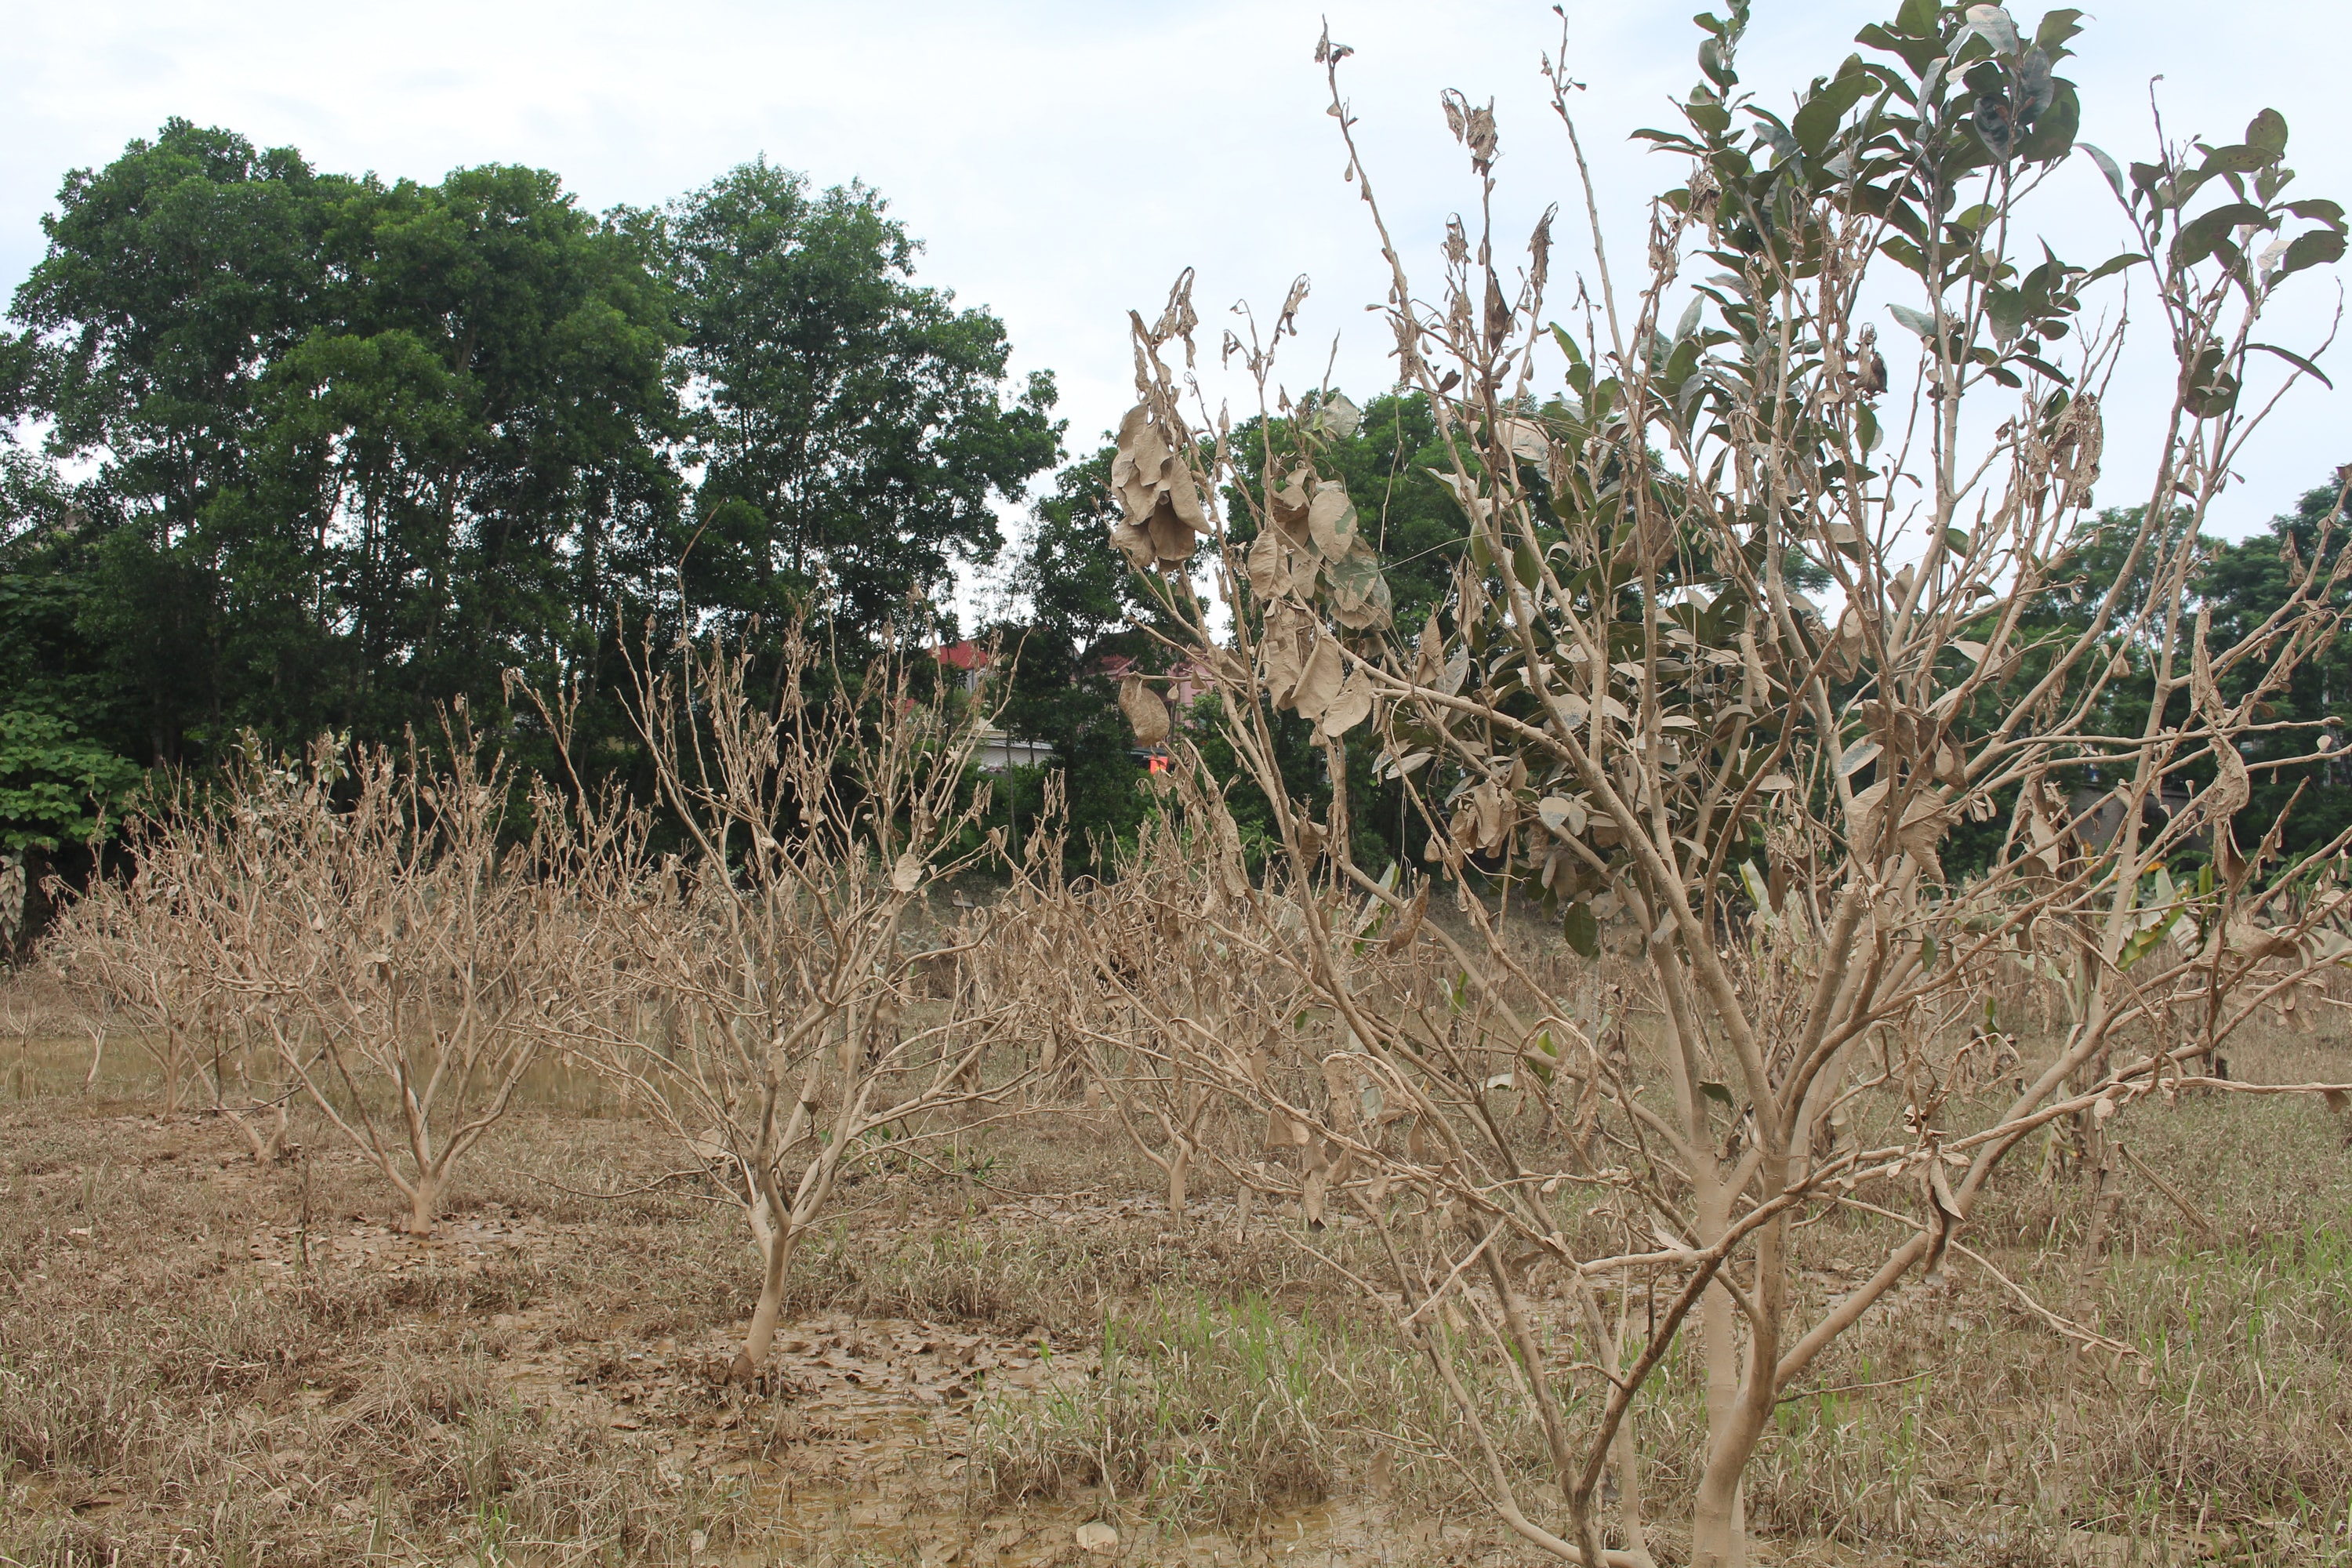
(1139, 464)
(907, 875)
(1276, 567)
(1945, 1215)
(1582, 930)
(1856, 757)
(1287, 506)
(1319, 680)
(1338, 416)
(1926, 820)
(1429, 656)
(1457, 671)
(1145, 709)
(1525, 440)
(1410, 926)
(1465, 491)
(1492, 817)
(1558, 812)
(1359, 595)
(1350, 706)
(1156, 493)
(1331, 520)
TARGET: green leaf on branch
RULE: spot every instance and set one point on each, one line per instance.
(2197, 238)
(1818, 120)
(2052, 135)
(2107, 167)
(2318, 249)
(1582, 930)
(2267, 130)
(54, 783)
(2297, 361)
(1917, 321)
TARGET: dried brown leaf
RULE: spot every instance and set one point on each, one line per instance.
(1145, 709)
(1319, 680)
(1350, 706)
(1410, 926)
(1331, 520)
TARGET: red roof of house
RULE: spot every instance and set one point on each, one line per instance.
(965, 654)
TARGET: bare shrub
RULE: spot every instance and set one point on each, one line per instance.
(130, 948)
(779, 957)
(1628, 720)
(362, 914)
(1133, 938)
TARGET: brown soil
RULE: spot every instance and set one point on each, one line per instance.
(204, 1360)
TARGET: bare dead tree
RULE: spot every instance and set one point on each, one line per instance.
(1630, 714)
(780, 948)
(361, 912)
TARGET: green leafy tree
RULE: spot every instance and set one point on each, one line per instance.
(55, 782)
(173, 278)
(361, 447)
(468, 470)
(63, 754)
(1081, 602)
(852, 423)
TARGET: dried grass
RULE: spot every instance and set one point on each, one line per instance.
(184, 1398)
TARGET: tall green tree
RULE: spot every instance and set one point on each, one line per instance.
(854, 425)
(359, 447)
(475, 453)
(173, 278)
(57, 770)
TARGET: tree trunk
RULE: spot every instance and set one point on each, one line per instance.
(425, 1201)
(776, 1252)
(1628, 1461)
(266, 1151)
(1718, 1530)
(1180, 1166)
(1719, 1524)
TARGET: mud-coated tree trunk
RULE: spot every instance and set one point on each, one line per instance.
(776, 1255)
(1179, 1169)
(1718, 1528)
(425, 1201)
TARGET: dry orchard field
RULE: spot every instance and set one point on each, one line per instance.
(1679, 1164)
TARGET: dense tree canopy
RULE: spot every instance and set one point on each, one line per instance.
(327, 451)
(850, 420)
(345, 449)
(360, 447)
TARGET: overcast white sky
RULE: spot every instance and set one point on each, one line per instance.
(1062, 161)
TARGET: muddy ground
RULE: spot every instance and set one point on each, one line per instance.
(1015, 1356)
